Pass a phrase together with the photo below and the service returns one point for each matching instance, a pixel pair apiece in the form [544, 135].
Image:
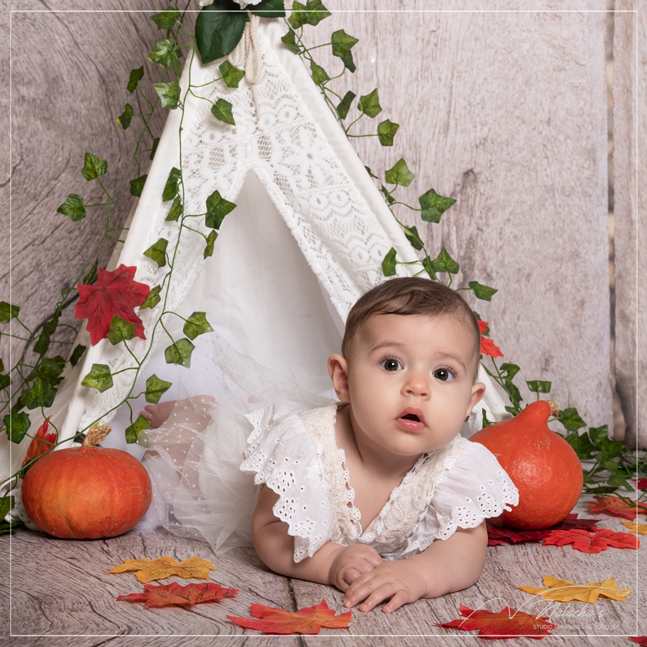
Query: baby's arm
[331, 564]
[446, 566]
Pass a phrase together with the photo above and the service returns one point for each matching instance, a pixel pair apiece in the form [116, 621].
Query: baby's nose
[417, 385]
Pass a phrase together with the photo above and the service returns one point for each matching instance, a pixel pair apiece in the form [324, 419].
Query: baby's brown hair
[410, 296]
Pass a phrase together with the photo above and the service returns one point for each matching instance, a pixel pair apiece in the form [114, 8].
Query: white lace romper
[293, 451]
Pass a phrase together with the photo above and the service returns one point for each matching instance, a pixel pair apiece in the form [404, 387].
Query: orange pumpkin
[543, 466]
[86, 492]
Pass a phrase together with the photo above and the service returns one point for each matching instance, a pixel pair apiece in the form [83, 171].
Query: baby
[379, 495]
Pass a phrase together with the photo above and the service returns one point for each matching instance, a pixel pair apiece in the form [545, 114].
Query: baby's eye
[391, 364]
[444, 374]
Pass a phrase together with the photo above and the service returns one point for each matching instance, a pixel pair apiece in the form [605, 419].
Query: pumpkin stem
[96, 434]
[554, 409]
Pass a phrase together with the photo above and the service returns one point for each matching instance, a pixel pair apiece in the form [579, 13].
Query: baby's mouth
[411, 419]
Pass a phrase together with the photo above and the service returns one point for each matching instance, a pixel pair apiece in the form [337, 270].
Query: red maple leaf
[641, 484]
[41, 442]
[616, 506]
[177, 595]
[115, 294]
[308, 620]
[596, 543]
[497, 536]
[572, 521]
[508, 623]
[641, 640]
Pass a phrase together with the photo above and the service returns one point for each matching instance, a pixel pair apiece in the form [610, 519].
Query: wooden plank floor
[56, 593]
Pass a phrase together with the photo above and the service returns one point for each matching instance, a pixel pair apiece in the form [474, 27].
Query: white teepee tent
[307, 238]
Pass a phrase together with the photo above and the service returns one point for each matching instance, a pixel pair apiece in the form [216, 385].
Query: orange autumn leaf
[640, 528]
[508, 623]
[565, 591]
[41, 442]
[616, 506]
[591, 543]
[308, 620]
[148, 570]
[177, 595]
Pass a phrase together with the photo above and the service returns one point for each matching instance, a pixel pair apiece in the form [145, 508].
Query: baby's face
[410, 381]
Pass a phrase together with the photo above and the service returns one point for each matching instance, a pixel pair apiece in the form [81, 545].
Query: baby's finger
[396, 602]
[348, 577]
[380, 594]
[361, 588]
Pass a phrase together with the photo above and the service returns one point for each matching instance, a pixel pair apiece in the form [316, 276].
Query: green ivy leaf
[482, 291]
[222, 111]
[156, 142]
[349, 63]
[8, 312]
[73, 207]
[342, 43]
[50, 369]
[290, 41]
[6, 504]
[93, 167]
[171, 186]
[77, 354]
[484, 420]
[179, 353]
[211, 239]
[513, 393]
[344, 107]
[176, 210]
[298, 16]
[41, 394]
[137, 185]
[571, 420]
[582, 445]
[508, 369]
[413, 237]
[368, 170]
[152, 299]
[598, 434]
[17, 425]
[217, 209]
[316, 12]
[89, 277]
[42, 343]
[120, 330]
[196, 324]
[135, 77]
[157, 252]
[169, 94]
[164, 54]
[387, 195]
[125, 117]
[1, 365]
[231, 75]
[426, 263]
[369, 104]
[319, 75]
[445, 263]
[98, 378]
[269, 9]
[386, 132]
[399, 174]
[155, 389]
[132, 431]
[389, 263]
[166, 19]
[5, 381]
[434, 205]
[218, 29]
[539, 386]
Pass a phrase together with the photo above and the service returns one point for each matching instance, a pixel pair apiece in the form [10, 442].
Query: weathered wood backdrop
[503, 110]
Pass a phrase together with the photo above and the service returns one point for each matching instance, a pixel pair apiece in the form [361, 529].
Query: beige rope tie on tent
[248, 52]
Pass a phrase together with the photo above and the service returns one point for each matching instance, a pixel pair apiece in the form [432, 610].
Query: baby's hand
[350, 562]
[157, 414]
[401, 581]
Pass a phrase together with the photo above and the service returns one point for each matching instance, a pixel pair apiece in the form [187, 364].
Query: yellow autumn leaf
[640, 528]
[149, 570]
[565, 591]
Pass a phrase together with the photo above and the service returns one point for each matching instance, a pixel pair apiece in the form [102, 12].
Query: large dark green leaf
[17, 425]
[342, 43]
[445, 263]
[93, 167]
[570, 418]
[41, 394]
[434, 205]
[217, 209]
[218, 29]
[269, 9]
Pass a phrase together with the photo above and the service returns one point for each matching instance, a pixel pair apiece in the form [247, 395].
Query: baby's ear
[478, 390]
[338, 371]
